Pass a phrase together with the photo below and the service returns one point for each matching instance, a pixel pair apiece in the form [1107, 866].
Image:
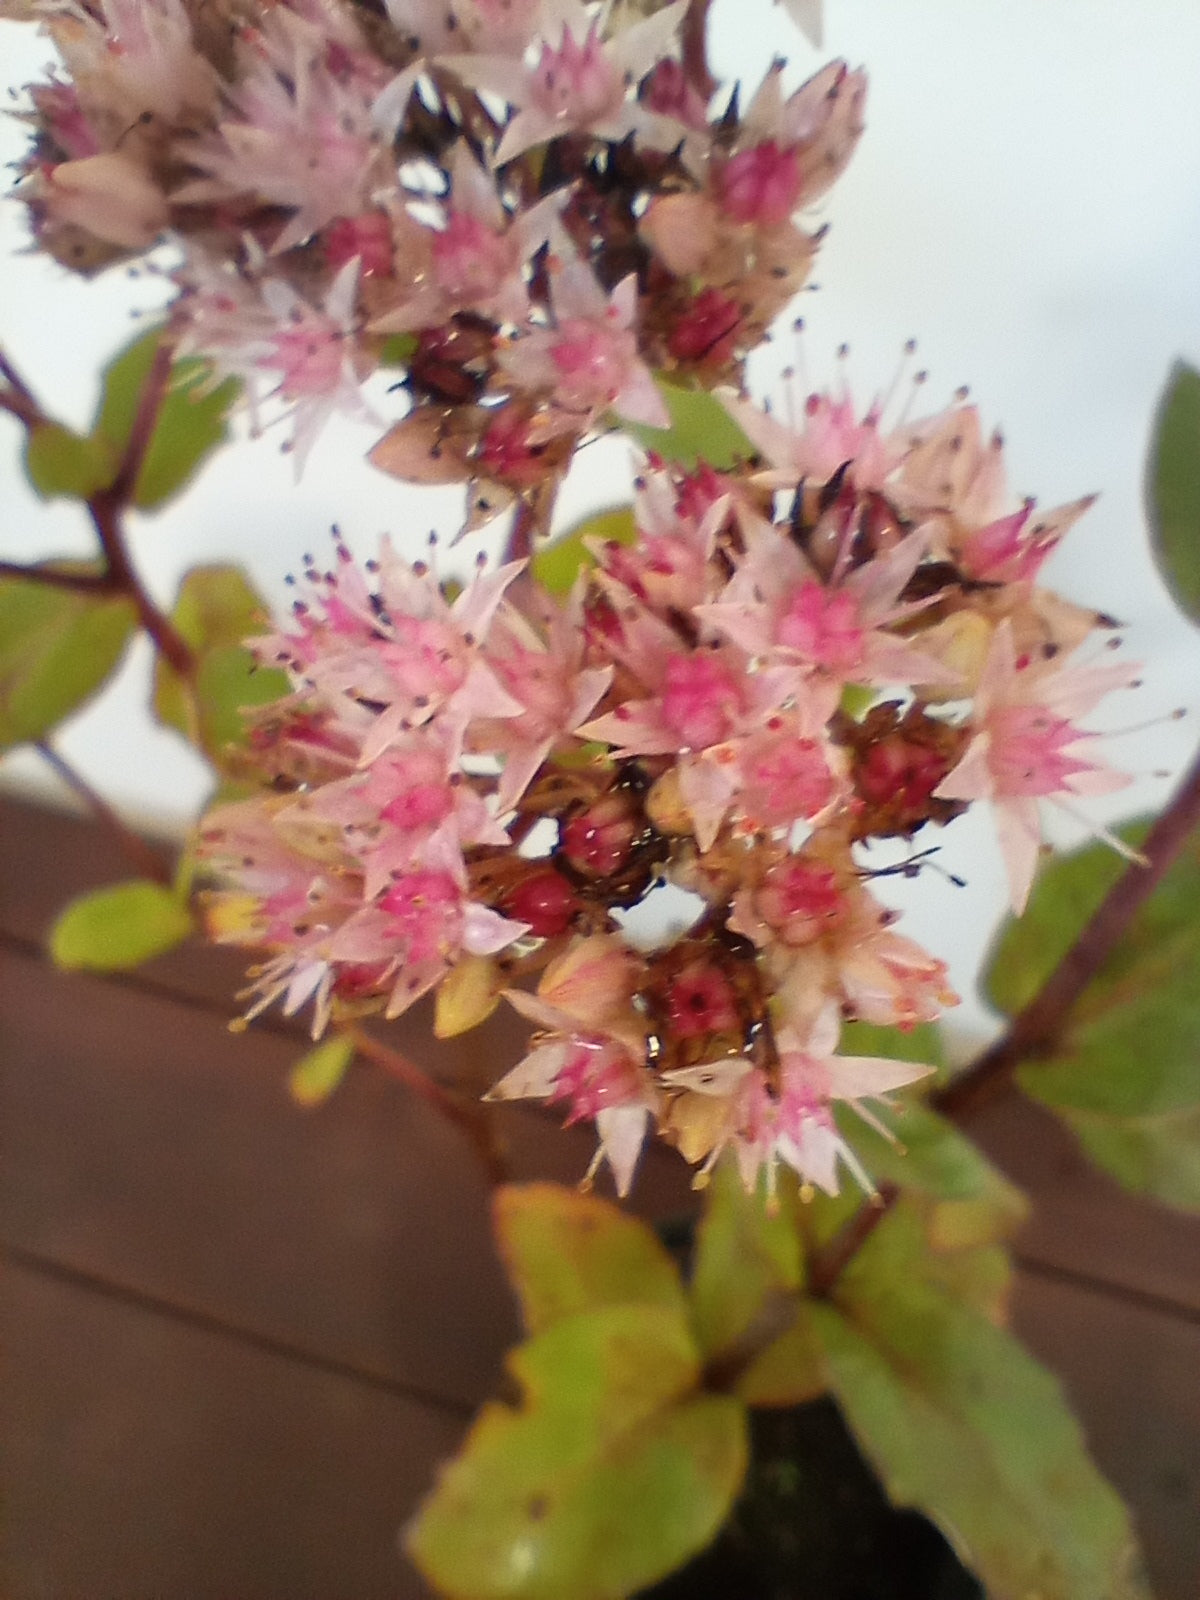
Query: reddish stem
[1037, 1028]
[59, 577]
[468, 1117]
[826, 1265]
[140, 855]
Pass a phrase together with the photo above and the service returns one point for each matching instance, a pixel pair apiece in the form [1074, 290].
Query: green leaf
[1173, 488]
[611, 1474]
[960, 1422]
[215, 610]
[191, 421]
[318, 1073]
[557, 565]
[61, 462]
[398, 349]
[119, 926]
[1125, 1073]
[567, 1252]
[701, 430]
[1065, 896]
[57, 647]
[921, 1042]
[966, 1201]
[745, 1288]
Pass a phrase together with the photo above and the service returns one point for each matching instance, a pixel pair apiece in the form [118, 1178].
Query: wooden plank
[147, 1146]
[143, 1458]
[1084, 1222]
[1131, 1374]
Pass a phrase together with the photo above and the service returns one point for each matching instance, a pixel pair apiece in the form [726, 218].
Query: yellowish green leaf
[960, 1422]
[57, 648]
[567, 1252]
[320, 1070]
[557, 565]
[191, 421]
[119, 926]
[612, 1472]
[701, 430]
[59, 461]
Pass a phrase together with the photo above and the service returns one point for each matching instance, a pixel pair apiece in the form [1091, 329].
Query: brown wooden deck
[237, 1336]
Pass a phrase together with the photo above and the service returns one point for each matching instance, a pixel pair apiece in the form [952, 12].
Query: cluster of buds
[476, 788]
[516, 208]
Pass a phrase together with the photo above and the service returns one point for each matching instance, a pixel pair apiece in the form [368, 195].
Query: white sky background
[1025, 203]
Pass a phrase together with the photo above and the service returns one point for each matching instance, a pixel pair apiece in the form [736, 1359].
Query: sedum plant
[623, 780]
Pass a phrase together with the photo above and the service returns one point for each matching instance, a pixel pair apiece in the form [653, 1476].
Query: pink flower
[787, 1118]
[1027, 747]
[300, 137]
[777, 609]
[589, 361]
[579, 83]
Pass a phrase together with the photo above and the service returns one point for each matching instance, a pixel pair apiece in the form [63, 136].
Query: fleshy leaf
[557, 565]
[317, 1073]
[216, 609]
[1125, 1074]
[960, 1422]
[59, 461]
[745, 1288]
[57, 647]
[1173, 488]
[567, 1252]
[611, 1474]
[701, 430]
[191, 422]
[119, 926]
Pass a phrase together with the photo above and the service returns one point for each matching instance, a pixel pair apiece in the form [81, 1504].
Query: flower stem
[1037, 1028]
[826, 1265]
[137, 852]
[468, 1117]
[59, 577]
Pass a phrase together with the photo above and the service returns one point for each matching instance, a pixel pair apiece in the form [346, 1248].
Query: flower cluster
[530, 211]
[474, 789]
[516, 208]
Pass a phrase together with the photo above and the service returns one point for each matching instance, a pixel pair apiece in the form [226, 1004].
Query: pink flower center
[701, 1001]
[784, 779]
[595, 1077]
[701, 700]
[800, 899]
[822, 625]
[309, 358]
[761, 185]
[369, 237]
[420, 807]
[470, 259]
[1028, 748]
[668, 92]
[593, 361]
[426, 912]
[576, 83]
